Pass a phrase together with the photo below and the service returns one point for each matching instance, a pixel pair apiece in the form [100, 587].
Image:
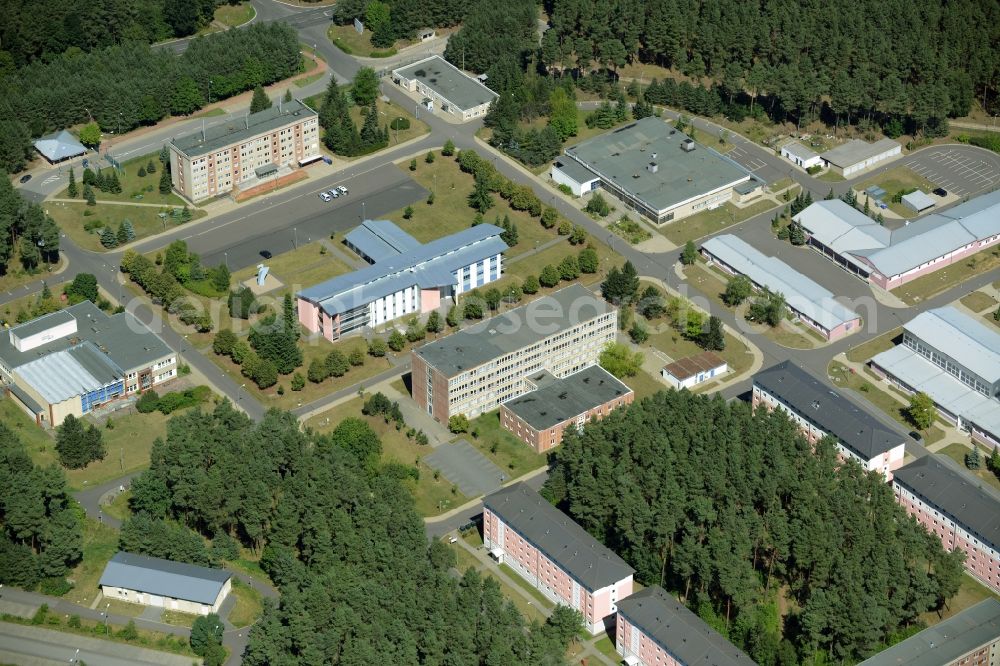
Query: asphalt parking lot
[961, 171]
[467, 468]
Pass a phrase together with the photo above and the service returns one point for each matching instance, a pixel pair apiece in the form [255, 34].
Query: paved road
[35, 646]
[90, 499]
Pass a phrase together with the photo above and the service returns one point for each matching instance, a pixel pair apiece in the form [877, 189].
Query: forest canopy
[337, 531]
[734, 513]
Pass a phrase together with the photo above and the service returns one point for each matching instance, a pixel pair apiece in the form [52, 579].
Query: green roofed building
[656, 169]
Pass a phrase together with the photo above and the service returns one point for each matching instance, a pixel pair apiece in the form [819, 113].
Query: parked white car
[342, 190]
[334, 193]
[324, 196]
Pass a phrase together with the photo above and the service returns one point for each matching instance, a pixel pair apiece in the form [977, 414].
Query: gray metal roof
[918, 200]
[685, 368]
[126, 341]
[576, 171]
[856, 150]
[552, 532]
[960, 496]
[681, 633]
[40, 324]
[949, 393]
[59, 146]
[70, 372]
[515, 329]
[852, 425]
[381, 240]
[947, 641]
[153, 575]
[448, 81]
[429, 265]
[622, 156]
[565, 399]
[966, 339]
[848, 232]
[802, 294]
[26, 399]
[238, 129]
[796, 149]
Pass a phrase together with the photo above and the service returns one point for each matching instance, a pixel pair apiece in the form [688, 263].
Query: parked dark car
[266, 254]
[25, 178]
[916, 436]
[941, 192]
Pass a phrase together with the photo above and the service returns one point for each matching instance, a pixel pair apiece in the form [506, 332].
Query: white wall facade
[63, 330]
[167, 603]
[804, 163]
[559, 177]
[694, 380]
[871, 161]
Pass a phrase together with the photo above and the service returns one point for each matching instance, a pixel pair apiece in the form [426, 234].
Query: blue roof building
[404, 278]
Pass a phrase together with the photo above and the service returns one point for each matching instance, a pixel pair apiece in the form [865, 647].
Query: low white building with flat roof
[856, 155]
[152, 581]
[798, 154]
[457, 93]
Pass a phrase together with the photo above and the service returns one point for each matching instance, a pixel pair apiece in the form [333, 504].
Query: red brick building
[554, 554]
[969, 638]
[964, 514]
[539, 418]
[654, 629]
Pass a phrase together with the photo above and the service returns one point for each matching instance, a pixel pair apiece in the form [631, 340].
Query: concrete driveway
[467, 468]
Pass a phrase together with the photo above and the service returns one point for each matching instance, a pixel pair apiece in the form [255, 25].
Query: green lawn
[644, 384]
[830, 176]
[145, 189]
[234, 15]
[676, 346]
[607, 648]
[863, 352]
[145, 220]
[450, 211]
[956, 451]
[16, 275]
[211, 113]
[633, 232]
[969, 594]
[465, 560]
[119, 506]
[347, 39]
[387, 112]
[27, 304]
[309, 79]
[431, 495]
[867, 386]
[128, 444]
[893, 181]
[306, 266]
[934, 283]
[249, 605]
[977, 301]
[523, 584]
[712, 221]
[510, 454]
[100, 543]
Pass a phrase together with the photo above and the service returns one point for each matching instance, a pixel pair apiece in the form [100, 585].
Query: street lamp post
[295, 240]
[209, 91]
[225, 256]
[239, 393]
[363, 211]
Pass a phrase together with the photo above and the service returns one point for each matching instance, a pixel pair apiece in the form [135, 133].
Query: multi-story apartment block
[820, 411]
[969, 638]
[77, 359]
[955, 359]
[404, 278]
[475, 370]
[217, 160]
[654, 629]
[540, 417]
[554, 554]
[964, 514]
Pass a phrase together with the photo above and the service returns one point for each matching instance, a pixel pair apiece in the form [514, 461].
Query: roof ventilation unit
[652, 167]
[688, 146]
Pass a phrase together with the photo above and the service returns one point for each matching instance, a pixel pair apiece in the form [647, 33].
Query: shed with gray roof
[670, 626]
[856, 155]
[59, 146]
[153, 581]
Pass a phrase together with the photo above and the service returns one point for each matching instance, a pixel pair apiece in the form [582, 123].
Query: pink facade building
[654, 629]
[969, 638]
[890, 258]
[821, 412]
[540, 417]
[554, 554]
[405, 278]
[814, 305]
[957, 509]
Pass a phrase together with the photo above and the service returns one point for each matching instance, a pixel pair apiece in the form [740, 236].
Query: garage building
[856, 155]
[152, 581]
